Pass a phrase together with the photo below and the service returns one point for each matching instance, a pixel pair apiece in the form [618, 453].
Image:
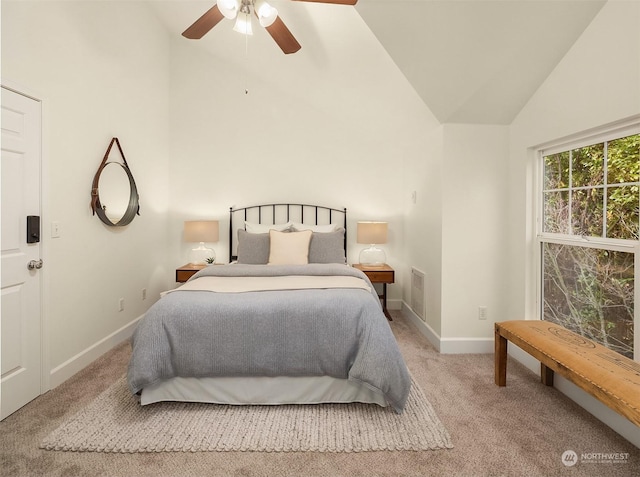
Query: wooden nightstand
[383, 274]
[186, 271]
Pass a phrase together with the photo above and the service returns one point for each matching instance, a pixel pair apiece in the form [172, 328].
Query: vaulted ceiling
[477, 61]
[474, 61]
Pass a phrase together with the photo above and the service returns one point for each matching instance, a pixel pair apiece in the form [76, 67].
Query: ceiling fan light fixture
[229, 8]
[241, 11]
[243, 24]
[265, 12]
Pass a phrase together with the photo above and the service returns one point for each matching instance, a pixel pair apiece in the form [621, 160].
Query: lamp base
[372, 257]
[200, 254]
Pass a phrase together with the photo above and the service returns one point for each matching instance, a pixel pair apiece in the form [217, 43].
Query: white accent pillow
[289, 248]
[254, 228]
[315, 228]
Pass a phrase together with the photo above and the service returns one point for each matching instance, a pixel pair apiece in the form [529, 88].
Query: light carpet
[115, 422]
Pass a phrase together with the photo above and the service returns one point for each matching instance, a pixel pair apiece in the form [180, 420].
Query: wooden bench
[608, 376]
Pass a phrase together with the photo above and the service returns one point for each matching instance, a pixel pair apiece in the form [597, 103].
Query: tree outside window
[590, 231]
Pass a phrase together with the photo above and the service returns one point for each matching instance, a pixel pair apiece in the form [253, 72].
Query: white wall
[423, 222]
[456, 233]
[332, 125]
[474, 223]
[101, 72]
[473, 238]
[596, 84]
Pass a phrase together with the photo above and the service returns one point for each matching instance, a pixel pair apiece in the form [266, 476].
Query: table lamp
[372, 233]
[201, 231]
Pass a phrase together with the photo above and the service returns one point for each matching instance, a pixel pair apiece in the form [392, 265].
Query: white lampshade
[265, 12]
[243, 24]
[372, 233]
[201, 231]
[229, 8]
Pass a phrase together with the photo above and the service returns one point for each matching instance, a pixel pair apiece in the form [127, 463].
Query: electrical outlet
[144, 293]
[121, 304]
[482, 313]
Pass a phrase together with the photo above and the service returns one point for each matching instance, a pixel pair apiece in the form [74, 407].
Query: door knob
[34, 264]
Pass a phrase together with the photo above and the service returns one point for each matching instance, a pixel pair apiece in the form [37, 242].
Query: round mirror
[114, 191]
[114, 195]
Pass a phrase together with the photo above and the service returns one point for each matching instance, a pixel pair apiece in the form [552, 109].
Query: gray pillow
[327, 247]
[253, 249]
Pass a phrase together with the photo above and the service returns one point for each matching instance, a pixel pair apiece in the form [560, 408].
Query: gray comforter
[317, 332]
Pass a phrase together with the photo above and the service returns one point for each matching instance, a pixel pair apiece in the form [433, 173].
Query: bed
[287, 322]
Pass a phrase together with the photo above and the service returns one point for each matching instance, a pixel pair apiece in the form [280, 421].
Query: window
[588, 234]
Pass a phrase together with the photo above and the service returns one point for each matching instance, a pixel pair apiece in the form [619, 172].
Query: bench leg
[546, 375]
[500, 358]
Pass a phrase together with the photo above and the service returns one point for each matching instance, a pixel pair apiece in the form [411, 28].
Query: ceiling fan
[240, 10]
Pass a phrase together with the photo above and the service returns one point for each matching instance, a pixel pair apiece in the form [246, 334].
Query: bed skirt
[261, 391]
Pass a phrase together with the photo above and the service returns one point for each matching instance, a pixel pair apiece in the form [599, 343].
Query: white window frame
[606, 133]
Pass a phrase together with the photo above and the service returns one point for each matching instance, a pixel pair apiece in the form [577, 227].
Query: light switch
[55, 229]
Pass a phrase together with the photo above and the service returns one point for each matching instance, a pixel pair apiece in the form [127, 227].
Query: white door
[21, 315]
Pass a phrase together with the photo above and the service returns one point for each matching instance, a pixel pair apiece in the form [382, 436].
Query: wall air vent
[417, 293]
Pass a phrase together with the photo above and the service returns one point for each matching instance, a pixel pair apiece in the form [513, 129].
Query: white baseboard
[466, 345]
[461, 345]
[80, 361]
[425, 329]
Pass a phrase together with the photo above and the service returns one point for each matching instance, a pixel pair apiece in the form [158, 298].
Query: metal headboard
[282, 213]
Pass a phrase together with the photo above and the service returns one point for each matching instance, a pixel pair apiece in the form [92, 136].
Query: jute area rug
[115, 422]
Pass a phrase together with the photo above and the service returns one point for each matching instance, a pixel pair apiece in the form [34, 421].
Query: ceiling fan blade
[283, 37]
[203, 24]
[338, 2]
